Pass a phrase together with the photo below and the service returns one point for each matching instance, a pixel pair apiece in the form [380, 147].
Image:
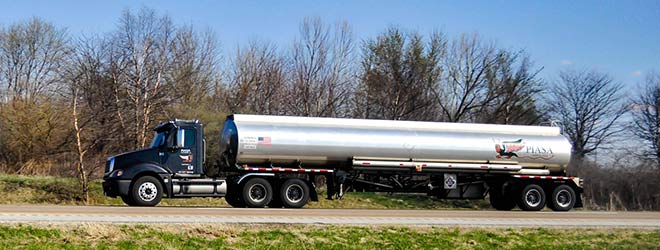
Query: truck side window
[189, 137]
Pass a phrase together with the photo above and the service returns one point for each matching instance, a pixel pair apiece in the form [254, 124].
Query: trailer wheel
[563, 198]
[146, 191]
[294, 193]
[532, 198]
[501, 202]
[257, 193]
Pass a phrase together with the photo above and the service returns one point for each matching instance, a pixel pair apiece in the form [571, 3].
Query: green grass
[18, 189]
[109, 236]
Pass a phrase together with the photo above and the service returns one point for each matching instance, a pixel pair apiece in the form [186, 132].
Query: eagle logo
[509, 149]
[186, 158]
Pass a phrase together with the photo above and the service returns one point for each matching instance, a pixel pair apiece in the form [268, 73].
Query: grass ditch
[19, 189]
[112, 236]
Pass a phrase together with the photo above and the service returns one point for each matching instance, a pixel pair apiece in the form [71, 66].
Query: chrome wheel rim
[563, 198]
[257, 192]
[147, 191]
[533, 198]
[294, 193]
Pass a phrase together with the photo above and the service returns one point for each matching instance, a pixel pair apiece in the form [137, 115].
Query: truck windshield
[159, 139]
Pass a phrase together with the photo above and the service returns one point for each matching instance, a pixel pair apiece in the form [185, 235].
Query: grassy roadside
[110, 236]
[20, 189]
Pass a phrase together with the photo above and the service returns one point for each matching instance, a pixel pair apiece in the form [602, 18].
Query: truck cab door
[182, 155]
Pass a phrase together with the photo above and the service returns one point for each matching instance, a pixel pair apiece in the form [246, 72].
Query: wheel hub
[533, 198]
[294, 193]
[563, 198]
[257, 193]
[147, 191]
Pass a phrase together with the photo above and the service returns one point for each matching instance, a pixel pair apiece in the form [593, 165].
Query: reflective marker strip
[542, 177]
[299, 170]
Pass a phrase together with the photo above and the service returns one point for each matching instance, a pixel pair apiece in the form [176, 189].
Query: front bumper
[116, 187]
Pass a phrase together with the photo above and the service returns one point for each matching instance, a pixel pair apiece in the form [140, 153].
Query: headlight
[111, 165]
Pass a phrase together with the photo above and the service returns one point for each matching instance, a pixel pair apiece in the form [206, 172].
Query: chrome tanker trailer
[276, 161]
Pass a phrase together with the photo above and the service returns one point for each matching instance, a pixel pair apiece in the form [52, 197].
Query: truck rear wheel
[294, 193]
[532, 198]
[257, 193]
[146, 191]
[233, 198]
[562, 199]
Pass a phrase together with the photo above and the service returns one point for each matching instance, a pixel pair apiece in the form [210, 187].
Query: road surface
[464, 218]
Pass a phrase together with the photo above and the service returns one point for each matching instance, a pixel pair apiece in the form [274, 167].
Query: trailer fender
[245, 176]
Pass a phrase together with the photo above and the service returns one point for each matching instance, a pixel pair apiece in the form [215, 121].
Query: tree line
[67, 101]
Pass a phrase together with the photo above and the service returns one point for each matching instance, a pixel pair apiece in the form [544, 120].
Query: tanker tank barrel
[349, 143]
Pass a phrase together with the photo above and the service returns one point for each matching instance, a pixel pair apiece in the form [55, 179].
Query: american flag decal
[264, 140]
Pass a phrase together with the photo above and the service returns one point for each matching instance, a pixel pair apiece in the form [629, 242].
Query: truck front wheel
[532, 198]
[128, 200]
[294, 193]
[146, 191]
[257, 193]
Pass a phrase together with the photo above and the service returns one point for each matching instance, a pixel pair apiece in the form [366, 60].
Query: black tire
[128, 200]
[257, 193]
[234, 199]
[146, 191]
[501, 202]
[275, 202]
[532, 198]
[563, 198]
[294, 193]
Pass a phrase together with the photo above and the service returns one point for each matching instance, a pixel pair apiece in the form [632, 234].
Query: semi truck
[277, 161]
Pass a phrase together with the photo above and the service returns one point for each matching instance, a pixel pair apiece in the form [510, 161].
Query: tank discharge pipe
[508, 168]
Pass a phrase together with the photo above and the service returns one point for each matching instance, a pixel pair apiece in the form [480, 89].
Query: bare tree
[320, 80]
[257, 80]
[399, 72]
[80, 166]
[93, 125]
[142, 57]
[31, 54]
[514, 87]
[465, 88]
[587, 105]
[194, 64]
[646, 117]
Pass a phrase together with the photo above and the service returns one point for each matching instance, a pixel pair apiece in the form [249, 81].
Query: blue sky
[618, 37]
